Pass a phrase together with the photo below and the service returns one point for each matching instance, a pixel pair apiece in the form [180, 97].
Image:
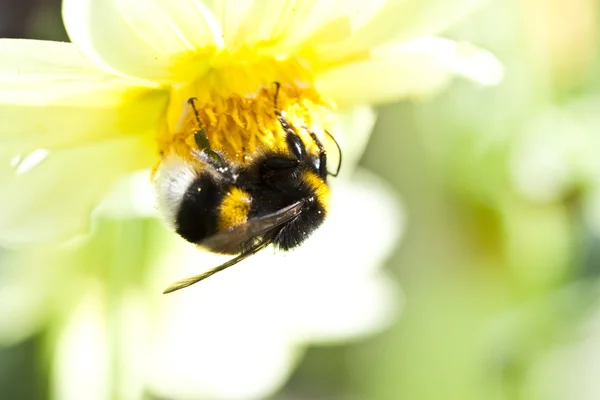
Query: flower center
[234, 101]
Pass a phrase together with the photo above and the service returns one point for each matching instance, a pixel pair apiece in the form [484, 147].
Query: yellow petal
[53, 70]
[399, 20]
[332, 22]
[412, 69]
[264, 21]
[231, 14]
[51, 96]
[68, 131]
[288, 24]
[141, 38]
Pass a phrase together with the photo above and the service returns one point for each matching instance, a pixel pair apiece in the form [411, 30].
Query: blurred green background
[499, 262]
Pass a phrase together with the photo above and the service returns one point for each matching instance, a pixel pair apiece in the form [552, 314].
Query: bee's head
[316, 194]
[284, 180]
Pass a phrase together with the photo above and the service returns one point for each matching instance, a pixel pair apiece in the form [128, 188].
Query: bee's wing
[238, 235]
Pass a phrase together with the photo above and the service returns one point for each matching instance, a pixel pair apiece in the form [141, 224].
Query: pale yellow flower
[75, 117]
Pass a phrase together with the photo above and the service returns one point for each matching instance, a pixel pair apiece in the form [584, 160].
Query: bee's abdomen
[197, 217]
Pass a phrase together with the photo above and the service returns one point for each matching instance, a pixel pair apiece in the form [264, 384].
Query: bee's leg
[293, 140]
[295, 143]
[201, 139]
[322, 154]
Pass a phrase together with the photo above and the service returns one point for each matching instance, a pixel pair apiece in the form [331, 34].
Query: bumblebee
[279, 198]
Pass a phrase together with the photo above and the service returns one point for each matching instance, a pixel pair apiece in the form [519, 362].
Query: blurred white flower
[238, 334]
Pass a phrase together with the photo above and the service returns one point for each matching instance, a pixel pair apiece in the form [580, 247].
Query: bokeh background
[499, 261]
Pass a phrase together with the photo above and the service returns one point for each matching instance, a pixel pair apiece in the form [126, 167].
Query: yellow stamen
[234, 100]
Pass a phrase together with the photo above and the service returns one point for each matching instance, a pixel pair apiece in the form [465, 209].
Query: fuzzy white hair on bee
[172, 180]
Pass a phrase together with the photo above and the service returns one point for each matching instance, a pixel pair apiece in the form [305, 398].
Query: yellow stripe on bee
[234, 209]
[319, 187]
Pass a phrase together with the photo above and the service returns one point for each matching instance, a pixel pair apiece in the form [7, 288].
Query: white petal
[141, 38]
[399, 20]
[322, 292]
[353, 127]
[364, 300]
[231, 14]
[381, 215]
[68, 130]
[264, 21]
[132, 195]
[412, 69]
[81, 363]
[356, 309]
[53, 201]
[288, 24]
[51, 96]
[39, 72]
[349, 297]
[130, 326]
[44, 59]
[204, 354]
[200, 353]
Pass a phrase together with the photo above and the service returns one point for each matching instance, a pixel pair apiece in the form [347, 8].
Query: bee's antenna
[276, 95]
[192, 102]
[183, 283]
[201, 137]
[339, 152]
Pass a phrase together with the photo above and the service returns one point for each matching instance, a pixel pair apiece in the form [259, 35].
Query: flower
[76, 117]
